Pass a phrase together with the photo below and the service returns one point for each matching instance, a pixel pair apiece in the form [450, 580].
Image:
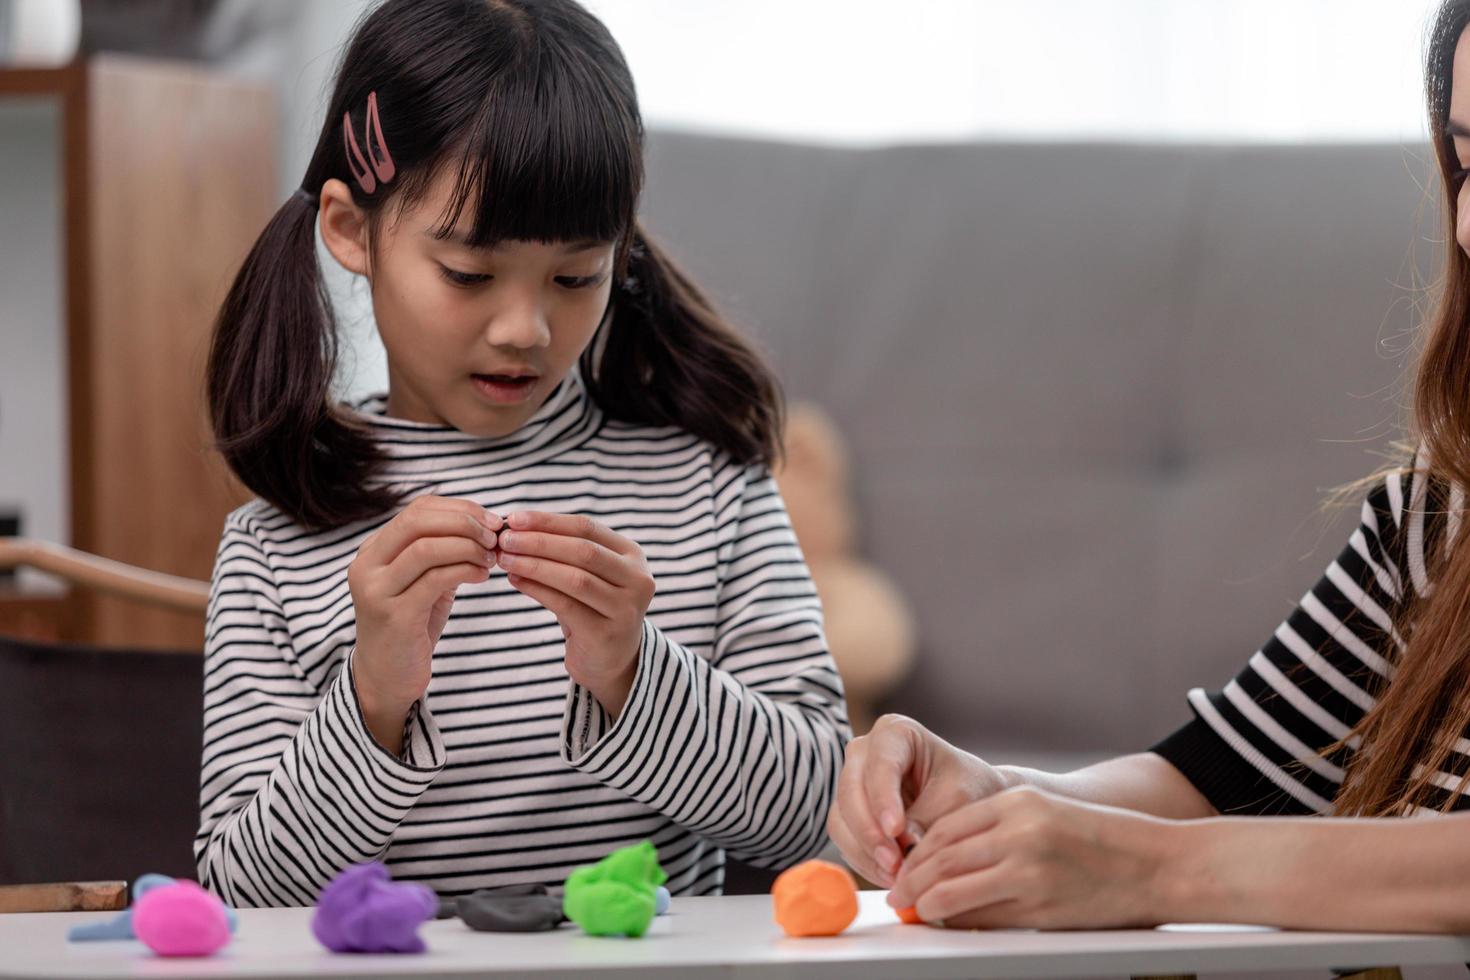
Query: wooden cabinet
[168, 174]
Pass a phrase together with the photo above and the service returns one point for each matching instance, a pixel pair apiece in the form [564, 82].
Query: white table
[720, 937]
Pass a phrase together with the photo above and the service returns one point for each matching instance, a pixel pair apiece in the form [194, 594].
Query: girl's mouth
[503, 389]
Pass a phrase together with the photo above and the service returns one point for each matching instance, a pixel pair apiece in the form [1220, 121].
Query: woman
[1211, 824]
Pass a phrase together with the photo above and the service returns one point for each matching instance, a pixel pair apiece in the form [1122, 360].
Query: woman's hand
[1026, 858]
[597, 584]
[897, 782]
[403, 582]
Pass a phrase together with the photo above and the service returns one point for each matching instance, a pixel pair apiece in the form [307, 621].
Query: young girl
[1357, 706]
[542, 599]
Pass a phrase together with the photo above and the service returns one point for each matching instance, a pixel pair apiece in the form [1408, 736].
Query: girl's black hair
[532, 104]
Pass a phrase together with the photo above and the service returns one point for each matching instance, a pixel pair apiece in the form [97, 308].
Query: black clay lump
[517, 908]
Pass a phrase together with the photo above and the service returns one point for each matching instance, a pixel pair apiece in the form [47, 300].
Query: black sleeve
[1274, 739]
[1232, 785]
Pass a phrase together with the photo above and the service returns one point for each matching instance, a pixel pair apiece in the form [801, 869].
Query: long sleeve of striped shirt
[1276, 738]
[762, 737]
[297, 788]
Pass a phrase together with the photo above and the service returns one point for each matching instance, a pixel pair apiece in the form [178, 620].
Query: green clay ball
[610, 908]
[616, 896]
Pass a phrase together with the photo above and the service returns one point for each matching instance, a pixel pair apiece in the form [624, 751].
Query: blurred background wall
[850, 72]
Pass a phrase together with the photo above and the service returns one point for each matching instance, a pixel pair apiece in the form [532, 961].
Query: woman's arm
[1389, 874]
[1143, 782]
[1028, 858]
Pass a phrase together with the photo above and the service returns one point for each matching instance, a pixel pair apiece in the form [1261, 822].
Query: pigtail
[670, 359]
[271, 366]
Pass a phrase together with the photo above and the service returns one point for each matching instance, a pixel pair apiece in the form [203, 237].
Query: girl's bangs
[547, 162]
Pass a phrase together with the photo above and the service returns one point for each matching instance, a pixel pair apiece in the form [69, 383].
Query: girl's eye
[579, 282]
[463, 278]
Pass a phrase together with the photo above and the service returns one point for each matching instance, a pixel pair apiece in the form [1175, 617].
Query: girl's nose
[521, 325]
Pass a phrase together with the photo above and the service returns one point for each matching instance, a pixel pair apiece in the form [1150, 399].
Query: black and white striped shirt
[731, 738]
[1257, 745]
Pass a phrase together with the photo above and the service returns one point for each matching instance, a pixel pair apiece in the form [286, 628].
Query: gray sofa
[1094, 393]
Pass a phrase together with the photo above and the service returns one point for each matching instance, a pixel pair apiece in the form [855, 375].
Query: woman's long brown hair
[1411, 731]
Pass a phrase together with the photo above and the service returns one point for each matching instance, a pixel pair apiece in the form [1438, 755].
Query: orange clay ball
[910, 916]
[815, 898]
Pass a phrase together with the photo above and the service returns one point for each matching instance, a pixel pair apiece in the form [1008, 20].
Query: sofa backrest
[1094, 394]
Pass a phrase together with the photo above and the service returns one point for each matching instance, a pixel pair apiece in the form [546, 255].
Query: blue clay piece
[121, 925]
[661, 901]
[146, 883]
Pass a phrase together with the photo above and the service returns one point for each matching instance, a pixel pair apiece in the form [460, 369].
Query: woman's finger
[892, 755]
[911, 836]
[965, 856]
[852, 804]
[984, 899]
[855, 850]
[962, 824]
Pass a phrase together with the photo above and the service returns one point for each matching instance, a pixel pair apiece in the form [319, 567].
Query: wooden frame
[73, 896]
[104, 575]
[168, 176]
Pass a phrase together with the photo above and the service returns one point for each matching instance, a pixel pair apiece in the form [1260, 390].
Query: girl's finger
[436, 517]
[566, 609]
[577, 583]
[572, 526]
[426, 553]
[962, 857]
[584, 553]
[433, 584]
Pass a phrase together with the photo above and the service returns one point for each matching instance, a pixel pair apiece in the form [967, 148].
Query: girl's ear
[344, 227]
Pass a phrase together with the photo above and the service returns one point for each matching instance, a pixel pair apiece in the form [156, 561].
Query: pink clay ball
[181, 919]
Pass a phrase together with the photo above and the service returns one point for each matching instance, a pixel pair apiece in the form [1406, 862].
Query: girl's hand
[403, 581]
[598, 586]
[1026, 858]
[897, 781]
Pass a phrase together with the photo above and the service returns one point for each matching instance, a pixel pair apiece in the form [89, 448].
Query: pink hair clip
[382, 168]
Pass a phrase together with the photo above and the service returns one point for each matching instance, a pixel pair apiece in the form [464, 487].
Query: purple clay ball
[363, 910]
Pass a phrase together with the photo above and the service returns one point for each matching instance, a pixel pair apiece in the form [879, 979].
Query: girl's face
[1459, 130]
[477, 339]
